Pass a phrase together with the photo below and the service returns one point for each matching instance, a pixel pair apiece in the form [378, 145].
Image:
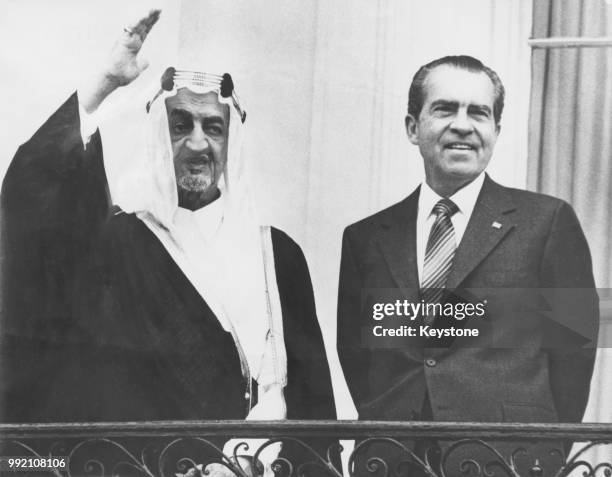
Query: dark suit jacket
[527, 366]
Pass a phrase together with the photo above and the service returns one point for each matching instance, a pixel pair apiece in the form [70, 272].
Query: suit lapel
[397, 242]
[488, 225]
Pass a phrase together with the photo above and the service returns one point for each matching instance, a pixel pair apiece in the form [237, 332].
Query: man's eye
[214, 130]
[180, 128]
[481, 113]
[443, 108]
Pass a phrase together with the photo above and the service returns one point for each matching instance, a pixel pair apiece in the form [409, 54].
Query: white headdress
[224, 262]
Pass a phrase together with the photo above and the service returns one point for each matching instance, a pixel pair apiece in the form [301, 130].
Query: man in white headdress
[184, 308]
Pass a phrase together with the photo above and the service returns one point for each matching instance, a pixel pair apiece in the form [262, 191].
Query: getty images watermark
[428, 313]
[563, 319]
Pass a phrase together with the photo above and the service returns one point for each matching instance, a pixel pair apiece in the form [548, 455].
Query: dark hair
[416, 94]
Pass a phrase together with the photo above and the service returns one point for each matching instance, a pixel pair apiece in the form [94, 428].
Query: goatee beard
[191, 184]
[195, 192]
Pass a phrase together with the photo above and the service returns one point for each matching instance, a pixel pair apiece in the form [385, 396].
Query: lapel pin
[496, 225]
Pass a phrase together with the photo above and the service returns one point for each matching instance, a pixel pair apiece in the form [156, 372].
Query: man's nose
[461, 123]
[197, 140]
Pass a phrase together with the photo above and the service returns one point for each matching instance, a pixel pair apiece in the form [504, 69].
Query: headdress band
[172, 77]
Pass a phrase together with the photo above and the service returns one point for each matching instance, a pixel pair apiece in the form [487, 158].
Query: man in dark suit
[520, 256]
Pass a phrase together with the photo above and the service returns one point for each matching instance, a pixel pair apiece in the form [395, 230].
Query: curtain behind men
[570, 146]
[570, 151]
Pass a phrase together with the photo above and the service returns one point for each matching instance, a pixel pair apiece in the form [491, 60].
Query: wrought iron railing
[185, 448]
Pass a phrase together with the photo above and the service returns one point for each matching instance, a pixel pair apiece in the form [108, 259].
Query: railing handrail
[341, 429]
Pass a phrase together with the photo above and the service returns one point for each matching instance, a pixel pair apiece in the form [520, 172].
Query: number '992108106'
[17, 463]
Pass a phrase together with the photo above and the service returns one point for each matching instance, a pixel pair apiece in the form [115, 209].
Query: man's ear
[411, 129]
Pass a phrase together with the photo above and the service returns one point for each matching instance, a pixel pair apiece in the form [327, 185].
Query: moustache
[200, 159]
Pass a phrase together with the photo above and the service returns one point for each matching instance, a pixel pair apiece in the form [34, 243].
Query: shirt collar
[465, 198]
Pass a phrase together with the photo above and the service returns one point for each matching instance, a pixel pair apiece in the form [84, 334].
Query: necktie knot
[445, 207]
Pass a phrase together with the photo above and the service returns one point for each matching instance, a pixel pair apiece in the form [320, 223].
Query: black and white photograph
[306, 238]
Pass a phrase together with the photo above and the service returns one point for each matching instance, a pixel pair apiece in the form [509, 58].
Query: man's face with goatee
[199, 127]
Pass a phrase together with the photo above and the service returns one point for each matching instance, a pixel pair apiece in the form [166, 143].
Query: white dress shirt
[464, 198]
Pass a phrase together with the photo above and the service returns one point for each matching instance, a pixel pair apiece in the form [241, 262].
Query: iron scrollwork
[479, 450]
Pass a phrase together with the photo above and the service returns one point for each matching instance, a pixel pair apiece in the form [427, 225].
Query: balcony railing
[185, 448]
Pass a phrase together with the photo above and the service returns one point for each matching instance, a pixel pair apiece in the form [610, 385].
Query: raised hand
[123, 65]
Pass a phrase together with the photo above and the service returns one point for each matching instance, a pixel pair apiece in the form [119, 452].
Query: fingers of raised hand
[143, 26]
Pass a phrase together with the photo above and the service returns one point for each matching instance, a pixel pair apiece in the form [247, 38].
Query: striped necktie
[439, 252]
